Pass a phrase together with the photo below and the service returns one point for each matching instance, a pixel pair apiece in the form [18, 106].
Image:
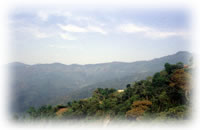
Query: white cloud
[92, 24]
[43, 15]
[74, 28]
[162, 34]
[87, 20]
[67, 36]
[34, 31]
[148, 31]
[132, 28]
[63, 13]
[58, 46]
[96, 29]
[40, 34]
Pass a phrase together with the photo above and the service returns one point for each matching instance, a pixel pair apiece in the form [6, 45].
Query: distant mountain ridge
[114, 62]
[39, 84]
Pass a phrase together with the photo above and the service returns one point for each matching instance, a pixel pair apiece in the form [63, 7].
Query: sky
[96, 35]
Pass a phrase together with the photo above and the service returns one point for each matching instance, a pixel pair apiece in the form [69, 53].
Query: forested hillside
[40, 84]
[165, 95]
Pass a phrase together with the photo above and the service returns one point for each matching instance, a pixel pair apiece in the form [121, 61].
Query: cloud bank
[148, 31]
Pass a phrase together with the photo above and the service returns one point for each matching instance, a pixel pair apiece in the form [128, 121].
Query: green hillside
[40, 84]
[165, 95]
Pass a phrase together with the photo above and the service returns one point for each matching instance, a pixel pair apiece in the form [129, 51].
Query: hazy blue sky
[87, 36]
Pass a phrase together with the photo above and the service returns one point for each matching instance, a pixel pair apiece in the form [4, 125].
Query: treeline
[165, 95]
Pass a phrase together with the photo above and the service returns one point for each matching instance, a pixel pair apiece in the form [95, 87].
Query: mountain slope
[119, 83]
[36, 85]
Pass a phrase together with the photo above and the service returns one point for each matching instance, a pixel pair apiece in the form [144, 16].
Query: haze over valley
[40, 84]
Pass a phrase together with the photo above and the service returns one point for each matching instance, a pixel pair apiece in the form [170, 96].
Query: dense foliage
[166, 95]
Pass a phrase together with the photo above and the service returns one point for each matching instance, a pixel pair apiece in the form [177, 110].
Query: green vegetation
[166, 95]
[41, 84]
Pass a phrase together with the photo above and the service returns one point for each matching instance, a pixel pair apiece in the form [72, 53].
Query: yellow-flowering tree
[138, 109]
[181, 79]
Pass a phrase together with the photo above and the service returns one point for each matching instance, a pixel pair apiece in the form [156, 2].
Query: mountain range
[42, 84]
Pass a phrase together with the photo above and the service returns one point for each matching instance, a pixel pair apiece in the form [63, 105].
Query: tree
[138, 109]
[170, 68]
[32, 112]
[181, 79]
[128, 86]
[160, 80]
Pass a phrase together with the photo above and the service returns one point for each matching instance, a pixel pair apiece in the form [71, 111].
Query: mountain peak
[182, 52]
[17, 64]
